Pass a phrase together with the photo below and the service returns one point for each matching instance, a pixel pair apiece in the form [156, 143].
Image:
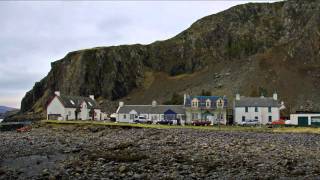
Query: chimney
[154, 103]
[57, 93]
[238, 96]
[121, 103]
[91, 97]
[275, 96]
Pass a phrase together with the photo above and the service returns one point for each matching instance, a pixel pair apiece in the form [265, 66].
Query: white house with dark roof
[62, 107]
[153, 112]
[257, 110]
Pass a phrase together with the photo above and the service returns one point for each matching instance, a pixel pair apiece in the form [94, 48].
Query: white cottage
[256, 110]
[62, 107]
[153, 112]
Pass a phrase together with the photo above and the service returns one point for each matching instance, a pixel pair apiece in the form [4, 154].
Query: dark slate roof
[148, 109]
[203, 99]
[67, 101]
[256, 101]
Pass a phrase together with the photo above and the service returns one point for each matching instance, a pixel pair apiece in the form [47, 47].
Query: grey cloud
[33, 34]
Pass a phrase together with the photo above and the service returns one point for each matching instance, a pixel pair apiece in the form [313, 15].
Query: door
[303, 121]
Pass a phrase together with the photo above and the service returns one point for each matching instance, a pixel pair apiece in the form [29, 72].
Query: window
[162, 116]
[72, 102]
[131, 116]
[255, 109]
[270, 118]
[208, 103]
[90, 103]
[124, 116]
[256, 118]
[194, 103]
[246, 109]
[69, 113]
[269, 109]
[243, 118]
[315, 119]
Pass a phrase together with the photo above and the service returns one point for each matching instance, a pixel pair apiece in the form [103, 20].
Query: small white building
[305, 118]
[153, 112]
[62, 107]
[256, 110]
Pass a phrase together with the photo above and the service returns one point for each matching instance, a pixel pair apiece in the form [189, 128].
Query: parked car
[201, 123]
[167, 122]
[142, 120]
[278, 122]
[251, 122]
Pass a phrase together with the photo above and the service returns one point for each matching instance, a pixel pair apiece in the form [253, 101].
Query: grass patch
[308, 130]
[266, 129]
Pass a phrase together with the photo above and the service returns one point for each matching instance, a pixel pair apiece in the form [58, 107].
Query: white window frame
[208, 103]
[195, 102]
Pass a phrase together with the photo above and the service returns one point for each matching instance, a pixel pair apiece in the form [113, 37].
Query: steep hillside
[251, 48]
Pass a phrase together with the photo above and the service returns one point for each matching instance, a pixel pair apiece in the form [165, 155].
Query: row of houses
[213, 109]
[260, 110]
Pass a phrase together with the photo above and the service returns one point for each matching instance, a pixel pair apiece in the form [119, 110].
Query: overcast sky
[33, 34]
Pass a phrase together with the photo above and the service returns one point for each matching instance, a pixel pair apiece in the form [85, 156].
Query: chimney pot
[57, 93]
[154, 103]
[121, 103]
[275, 96]
[237, 96]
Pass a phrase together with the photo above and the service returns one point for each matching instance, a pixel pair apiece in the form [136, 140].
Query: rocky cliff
[251, 48]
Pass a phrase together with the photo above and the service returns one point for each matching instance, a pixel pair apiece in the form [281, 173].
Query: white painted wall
[56, 107]
[294, 118]
[124, 118]
[98, 115]
[84, 114]
[197, 113]
[70, 113]
[262, 114]
[120, 117]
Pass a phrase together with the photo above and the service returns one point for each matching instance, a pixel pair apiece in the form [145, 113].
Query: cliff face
[249, 48]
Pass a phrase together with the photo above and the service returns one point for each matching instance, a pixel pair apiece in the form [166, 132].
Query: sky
[33, 33]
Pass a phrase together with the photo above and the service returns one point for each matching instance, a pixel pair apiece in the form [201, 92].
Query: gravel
[79, 152]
